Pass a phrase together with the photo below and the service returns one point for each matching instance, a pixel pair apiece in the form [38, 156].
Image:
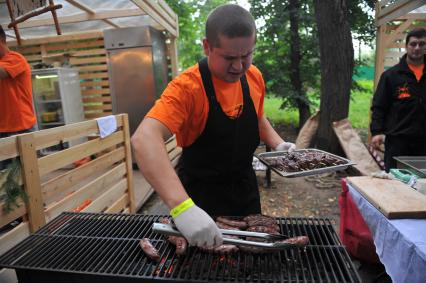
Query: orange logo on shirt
[403, 92]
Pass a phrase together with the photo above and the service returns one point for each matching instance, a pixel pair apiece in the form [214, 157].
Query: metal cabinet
[57, 97]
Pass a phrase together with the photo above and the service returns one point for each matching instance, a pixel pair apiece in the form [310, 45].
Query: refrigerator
[137, 70]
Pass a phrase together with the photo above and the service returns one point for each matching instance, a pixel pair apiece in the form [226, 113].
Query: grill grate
[87, 247]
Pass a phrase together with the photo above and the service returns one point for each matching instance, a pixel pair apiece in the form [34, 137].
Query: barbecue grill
[88, 247]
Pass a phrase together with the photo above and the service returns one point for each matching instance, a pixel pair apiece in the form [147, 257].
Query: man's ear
[206, 47]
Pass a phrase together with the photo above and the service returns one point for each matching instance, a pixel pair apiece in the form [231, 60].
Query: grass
[359, 113]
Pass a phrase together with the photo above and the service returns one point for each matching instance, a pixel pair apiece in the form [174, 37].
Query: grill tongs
[170, 230]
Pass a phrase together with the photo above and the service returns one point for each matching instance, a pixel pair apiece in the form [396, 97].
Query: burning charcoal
[149, 249]
[231, 222]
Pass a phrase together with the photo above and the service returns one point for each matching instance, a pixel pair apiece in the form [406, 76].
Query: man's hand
[285, 146]
[377, 140]
[198, 227]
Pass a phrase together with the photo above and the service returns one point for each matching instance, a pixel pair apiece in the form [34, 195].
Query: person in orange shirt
[16, 103]
[399, 104]
[215, 108]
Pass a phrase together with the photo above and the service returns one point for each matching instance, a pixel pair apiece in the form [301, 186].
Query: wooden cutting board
[391, 197]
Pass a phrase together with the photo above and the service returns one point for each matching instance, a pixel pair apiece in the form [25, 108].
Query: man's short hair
[2, 34]
[417, 32]
[231, 21]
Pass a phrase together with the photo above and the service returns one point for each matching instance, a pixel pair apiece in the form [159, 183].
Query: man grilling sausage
[215, 108]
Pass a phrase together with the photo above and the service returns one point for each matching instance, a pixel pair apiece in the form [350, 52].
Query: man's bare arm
[154, 163]
[267, 134]
[3, 74]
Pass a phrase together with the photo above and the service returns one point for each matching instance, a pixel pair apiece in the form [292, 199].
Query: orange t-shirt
[183, 107]
[417, 70]
[16, 103]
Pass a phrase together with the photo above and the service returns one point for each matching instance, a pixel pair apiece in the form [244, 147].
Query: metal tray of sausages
[266, 157]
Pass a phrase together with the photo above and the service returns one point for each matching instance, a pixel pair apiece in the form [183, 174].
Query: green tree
[287, 51]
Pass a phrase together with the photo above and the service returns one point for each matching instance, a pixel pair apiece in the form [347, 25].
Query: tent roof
[78, 16]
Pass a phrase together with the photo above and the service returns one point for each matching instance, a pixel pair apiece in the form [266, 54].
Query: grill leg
[268, 171]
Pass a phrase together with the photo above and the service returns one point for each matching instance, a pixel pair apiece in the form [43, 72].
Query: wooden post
[31, 178]
[12, 18]
[128, 160]
[173, 50]
[55, 18]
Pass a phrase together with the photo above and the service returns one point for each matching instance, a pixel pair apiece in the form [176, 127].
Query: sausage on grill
[180, 242]
[149, 249]
[300, 241]
[231, 222]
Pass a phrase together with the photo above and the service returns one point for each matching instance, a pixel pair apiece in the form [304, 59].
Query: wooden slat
[108, 198]
[73, 177]
[6, 218]
[55, 135]
[75, 45]
[83, 53]
[36, 57]
[97, 99]
[118, 205]
[60, 38]
[96, 115]
[24, 50]
[13, 237]
[85, 92]
[94, 83]
[397, 10]
[31, 177]
[88, 60]
[8, 148]
[93, 68]
[94, 75]
[175, 152]
[89, 191]
[171, 144]
[98, 107]
[58, 160]
[129, 166]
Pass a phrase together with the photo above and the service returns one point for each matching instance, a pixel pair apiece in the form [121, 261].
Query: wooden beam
[82, 17]
[396, 10]
[61, 38]
[90, 11]
[152, 10]
[33, 14]
[416, 16]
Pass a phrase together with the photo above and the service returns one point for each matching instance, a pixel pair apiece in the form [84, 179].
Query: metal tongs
[170, 230]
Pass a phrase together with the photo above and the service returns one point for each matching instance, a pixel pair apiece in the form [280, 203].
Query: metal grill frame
[87, 247]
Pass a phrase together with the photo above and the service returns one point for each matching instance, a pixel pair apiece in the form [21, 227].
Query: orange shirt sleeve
[183, 107]
[13, 65]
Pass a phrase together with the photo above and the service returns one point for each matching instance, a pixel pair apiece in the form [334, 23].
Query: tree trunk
[337, 63]
[295, 57]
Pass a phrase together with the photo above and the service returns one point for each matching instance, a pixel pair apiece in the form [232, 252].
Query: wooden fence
[88, 54]
[53, 183]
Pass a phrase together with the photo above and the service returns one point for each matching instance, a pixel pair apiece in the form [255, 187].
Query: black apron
[216, 170]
